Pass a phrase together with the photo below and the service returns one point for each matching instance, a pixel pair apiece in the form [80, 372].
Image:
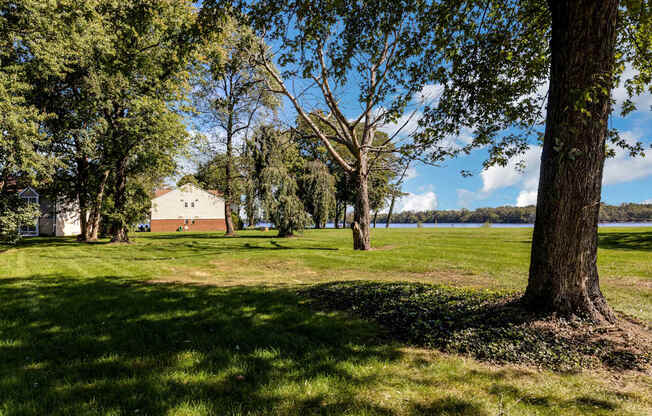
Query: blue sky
[429, 187]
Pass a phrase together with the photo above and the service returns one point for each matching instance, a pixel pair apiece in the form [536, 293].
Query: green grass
[198, 324]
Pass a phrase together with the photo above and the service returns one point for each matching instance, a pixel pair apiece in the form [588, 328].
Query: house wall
[68, 222]
[171, 206]
[169, 225]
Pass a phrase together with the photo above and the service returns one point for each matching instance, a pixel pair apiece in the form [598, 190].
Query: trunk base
[593, 308]
[360, 240]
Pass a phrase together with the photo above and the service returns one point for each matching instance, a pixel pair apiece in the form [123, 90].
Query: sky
[444, 188]
[625, 179]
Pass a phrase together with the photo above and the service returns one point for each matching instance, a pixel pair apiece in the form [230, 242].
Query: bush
[14, 211]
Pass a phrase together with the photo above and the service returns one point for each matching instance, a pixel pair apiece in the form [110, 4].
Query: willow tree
[276, 164]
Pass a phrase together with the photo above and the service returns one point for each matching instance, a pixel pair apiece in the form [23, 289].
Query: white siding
[173, 205]
[68, 220]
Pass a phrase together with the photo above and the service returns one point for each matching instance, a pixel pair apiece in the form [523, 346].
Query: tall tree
[231, 94]
[563, 269]
[142, 83]
[576, 45]
[368, 52]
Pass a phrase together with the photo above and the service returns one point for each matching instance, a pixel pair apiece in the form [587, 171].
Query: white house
[57, 219]
[188, 208]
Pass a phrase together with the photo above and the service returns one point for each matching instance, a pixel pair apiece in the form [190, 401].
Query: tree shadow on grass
[626, 241]
[109, 345]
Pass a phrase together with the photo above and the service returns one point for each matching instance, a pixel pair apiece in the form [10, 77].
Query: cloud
[429, 94]
[465, 198]
[623, 168]
[526, 198]
[417, 202]
[647, 201]
[411, 173]
[642, 102]
[497, 177]
[619, 169]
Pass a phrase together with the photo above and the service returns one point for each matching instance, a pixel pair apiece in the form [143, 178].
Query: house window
[186, 221]
[186, 204]
[193, 221]
[192, 205]
[30, 229]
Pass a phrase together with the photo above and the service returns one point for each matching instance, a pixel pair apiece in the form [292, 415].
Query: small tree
[14, 213]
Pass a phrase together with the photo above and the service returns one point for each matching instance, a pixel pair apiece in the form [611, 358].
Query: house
[188, 208]
[57, 218]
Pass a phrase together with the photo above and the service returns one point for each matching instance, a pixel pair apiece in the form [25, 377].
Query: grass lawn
[199, 324]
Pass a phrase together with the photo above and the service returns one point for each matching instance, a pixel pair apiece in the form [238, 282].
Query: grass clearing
[197, 324]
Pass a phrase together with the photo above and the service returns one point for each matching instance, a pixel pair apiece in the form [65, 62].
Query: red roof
[161, 192]
[214, 192]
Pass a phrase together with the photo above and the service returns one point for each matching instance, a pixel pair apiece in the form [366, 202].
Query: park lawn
[194, 324]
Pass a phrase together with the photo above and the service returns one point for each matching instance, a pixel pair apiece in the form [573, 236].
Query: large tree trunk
[563, 271]
[119, 232]
[93, 227]
[228, 186]
[82, 196]
[361, 218]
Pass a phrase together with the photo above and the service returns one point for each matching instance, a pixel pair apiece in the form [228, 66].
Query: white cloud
[619, 169]
[647, 201]
[526, 198]
[497, 177]
[417, 202]
[642, 102]
[465, 197]
[429, 94]
[411, 173]
[623, 168]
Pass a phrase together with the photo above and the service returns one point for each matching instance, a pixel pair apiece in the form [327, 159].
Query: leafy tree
[15, 212]
[276, 160]
[141, 81]
[230, 95]
[185, 179]
[578, 47]
[317, 189]
[368, 50]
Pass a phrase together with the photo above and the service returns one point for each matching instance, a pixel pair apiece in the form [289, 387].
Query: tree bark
[336, 220]
[95, 215]
[228, 186]
[361, 220]
[119, 232]
[563, 271]
[391, 211]
[375, 218]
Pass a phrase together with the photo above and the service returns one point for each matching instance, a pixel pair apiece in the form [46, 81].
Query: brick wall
[158, 226]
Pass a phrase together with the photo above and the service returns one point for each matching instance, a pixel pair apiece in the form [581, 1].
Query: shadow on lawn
[626, 241]
[114, 346]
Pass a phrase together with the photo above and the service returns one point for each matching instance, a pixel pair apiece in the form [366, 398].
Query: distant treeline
[515, 215]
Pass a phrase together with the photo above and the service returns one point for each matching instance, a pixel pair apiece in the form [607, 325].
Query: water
[478, 225]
